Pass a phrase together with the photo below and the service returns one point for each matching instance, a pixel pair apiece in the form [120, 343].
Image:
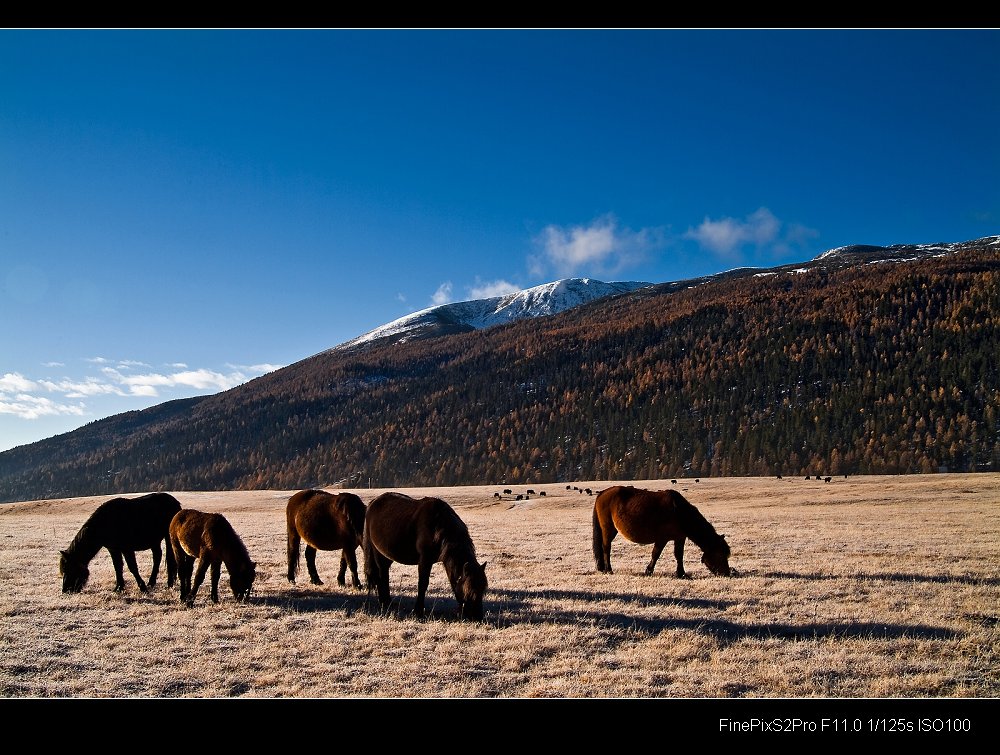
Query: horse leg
[679, 555]
[657, 550]
[351, 559]
[293, 552]
[185, 565]
[609, 535]
[134, 568]
[216, 573]
[116, 559]
[311, 565]
[342, 574]
[171, 563]
[157, 557]
[204, 560]
[423, 579]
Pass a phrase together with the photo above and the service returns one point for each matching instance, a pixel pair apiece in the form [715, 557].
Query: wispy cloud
[53, 364]
[601, 248]
[19, 394]
[443, 294]
[726, 238]
[401, 298]
[489, 289]
[14, 382]
[27, 406]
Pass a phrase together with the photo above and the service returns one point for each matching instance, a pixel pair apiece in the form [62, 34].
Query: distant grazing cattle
[507, 491]
[696, 479]
[496, 495]
[807, 477]
[531, 492]
[569, 487]
[779, 477]
[826, 479]
[673, 482]
[519, 497]
[588, 492]
[542, 493]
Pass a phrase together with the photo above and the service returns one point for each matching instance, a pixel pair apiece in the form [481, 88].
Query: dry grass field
[863, 587]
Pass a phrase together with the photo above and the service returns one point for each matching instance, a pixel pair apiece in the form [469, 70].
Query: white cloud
[260, 369]
[53, 364]
[601, 247]
[489, 289]
[26, 406]
[443, 294]
[77, 389]
[98, 360]
[177, 365]
[761, 229]
[13, 382]
[127, 363]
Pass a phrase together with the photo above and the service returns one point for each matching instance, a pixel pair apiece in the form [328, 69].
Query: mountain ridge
[833, 364]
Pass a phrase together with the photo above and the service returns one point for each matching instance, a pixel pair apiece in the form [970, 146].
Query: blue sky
[183, 210]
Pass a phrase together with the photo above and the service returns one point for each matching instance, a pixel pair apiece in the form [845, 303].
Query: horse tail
[371, 562]
[293, 547]
[356, 517]
[598, 541]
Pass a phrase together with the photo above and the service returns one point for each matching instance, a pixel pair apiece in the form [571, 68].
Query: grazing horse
[123, 526]
[422, 531]
[655, 516]
[326, 522]
[212, 540]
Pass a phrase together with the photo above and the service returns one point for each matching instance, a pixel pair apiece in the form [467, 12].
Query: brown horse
[325, 522]
[123, 526]
[655, 516]
[422, 531]
[212, 540]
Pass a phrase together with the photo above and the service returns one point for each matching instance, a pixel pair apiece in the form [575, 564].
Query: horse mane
[698, 529]
[453, 533]
[85, 544]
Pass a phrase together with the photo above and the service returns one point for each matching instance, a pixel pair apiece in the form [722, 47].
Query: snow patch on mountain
[539, 301]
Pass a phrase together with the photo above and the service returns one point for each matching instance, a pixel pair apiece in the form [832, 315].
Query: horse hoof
[316, 581]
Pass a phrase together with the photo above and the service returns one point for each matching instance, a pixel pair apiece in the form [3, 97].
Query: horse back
[402, 528]
[325, 520]
[199, 532]
[134, 523]
[642, 516]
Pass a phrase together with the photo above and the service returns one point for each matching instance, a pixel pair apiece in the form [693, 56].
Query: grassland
[860, 588]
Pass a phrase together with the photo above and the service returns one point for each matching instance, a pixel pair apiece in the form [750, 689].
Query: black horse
[123, 526]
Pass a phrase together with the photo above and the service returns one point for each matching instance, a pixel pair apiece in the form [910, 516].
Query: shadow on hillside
[887, 577]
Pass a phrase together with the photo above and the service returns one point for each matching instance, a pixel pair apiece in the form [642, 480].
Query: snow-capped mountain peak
[457, 317]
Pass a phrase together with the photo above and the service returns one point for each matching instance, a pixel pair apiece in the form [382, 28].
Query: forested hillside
[870, 367]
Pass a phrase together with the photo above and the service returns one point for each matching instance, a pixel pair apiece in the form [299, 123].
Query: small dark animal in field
[542, 493]
[326, 522]
[568, 487]
[779, 477]
[673, 482]
[807, 477]
[519, 497]
[496, 495]
[123, 526]
[588, 491]
[422, 531]
[696, 479]
[530, 492]
[210, 539]
[507, 491]
[655, 516]
[827, 479]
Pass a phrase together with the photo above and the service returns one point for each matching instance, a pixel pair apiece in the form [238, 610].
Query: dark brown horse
[655, 516]
[123, 526]
[326, 522]
[422, 531]
[211, 539]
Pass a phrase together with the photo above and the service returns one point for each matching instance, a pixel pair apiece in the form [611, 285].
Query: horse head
[74, 573]
[716, 559]
[241, 582]
[470, 588]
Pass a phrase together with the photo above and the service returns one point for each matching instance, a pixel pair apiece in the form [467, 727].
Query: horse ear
[483, 566]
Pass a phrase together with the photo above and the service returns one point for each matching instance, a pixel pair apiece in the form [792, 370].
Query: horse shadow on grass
[942, 579]
[514, 607]
[506, 608]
